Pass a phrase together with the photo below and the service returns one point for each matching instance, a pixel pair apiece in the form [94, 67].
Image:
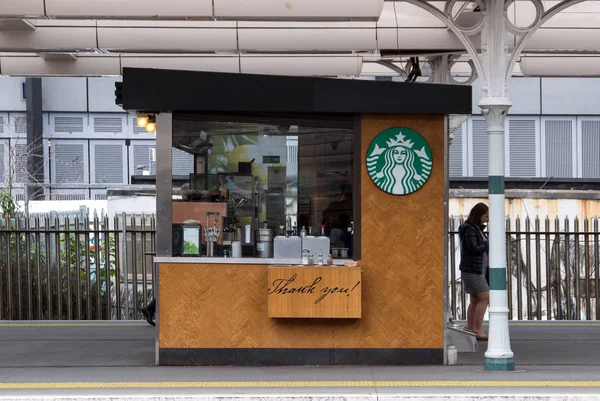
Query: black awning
[155, 90]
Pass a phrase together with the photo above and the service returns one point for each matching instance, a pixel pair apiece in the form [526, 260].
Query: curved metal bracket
[528, 33]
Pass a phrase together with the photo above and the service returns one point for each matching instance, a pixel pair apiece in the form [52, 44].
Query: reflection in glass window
[281, 177]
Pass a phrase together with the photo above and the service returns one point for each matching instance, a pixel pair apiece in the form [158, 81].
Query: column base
[499, 364]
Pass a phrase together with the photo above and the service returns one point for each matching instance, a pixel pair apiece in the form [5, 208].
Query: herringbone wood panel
[225, 306]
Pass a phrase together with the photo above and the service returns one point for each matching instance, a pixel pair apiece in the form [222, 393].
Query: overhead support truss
[485, 40]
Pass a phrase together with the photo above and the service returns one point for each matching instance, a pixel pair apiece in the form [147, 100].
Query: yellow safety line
[264, 384]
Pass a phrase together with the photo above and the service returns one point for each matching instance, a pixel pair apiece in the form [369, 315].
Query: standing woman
[473, 266]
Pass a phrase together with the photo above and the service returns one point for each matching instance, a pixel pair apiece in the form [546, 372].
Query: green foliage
[8, 207]
[53, 279]
[189, 248]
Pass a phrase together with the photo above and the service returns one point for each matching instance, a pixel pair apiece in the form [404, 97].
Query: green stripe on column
[498, 278]
[496, 184]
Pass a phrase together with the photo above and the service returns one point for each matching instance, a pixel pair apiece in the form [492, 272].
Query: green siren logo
[399, 161]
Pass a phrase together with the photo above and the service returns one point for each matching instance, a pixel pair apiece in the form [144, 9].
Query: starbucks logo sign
[399, 161]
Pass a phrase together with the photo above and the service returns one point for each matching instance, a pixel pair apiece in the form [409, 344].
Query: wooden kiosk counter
[269, 154]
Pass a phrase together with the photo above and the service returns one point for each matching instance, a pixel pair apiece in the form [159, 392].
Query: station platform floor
[99, 360]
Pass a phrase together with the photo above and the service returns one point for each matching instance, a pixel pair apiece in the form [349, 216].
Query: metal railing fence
[76, 269]
[552, 269]
[62, 268]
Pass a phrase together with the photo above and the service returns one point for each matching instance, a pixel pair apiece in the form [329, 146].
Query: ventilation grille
[69, 163]
[66, 196]
[1, 125]
[142, 160]
[3, 162]
[522, 148]
[19, 195]
[68, 124]
[108, 163]
[480, 149]
[20, 163]
[292, 160]
[559, 148]
[21, 125]
[108, 124]
[456, 153]
[99, 195]
[590, 143]
[183, 163]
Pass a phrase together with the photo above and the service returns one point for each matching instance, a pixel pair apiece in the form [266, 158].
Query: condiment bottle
[329, 260]
[320, 262]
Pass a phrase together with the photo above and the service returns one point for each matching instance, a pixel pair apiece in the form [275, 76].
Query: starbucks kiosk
[308, 225]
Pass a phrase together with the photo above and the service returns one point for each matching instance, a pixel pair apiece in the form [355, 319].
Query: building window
[269, 177]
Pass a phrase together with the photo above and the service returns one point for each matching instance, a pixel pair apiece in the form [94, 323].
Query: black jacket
[472, 247]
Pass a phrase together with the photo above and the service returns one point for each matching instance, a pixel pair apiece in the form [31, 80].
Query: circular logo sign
[399, 161]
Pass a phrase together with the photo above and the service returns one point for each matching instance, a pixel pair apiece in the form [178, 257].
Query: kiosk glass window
[257, 180]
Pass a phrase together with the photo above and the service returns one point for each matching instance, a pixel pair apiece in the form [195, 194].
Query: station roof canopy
[334, 38]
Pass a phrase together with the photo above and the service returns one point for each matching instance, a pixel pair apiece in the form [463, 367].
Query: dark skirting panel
[298, 356]
[154, 90]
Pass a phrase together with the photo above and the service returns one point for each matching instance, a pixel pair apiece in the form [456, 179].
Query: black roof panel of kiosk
[170, 90]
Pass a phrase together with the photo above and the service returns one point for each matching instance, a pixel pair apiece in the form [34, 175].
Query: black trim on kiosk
[153, 90]
[300, 356]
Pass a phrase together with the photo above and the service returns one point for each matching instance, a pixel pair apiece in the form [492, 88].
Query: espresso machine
[211, 233]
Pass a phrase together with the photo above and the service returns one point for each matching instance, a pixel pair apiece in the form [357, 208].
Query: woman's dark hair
[476, 213]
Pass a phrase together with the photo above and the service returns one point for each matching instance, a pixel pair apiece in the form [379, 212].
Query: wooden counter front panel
[314, 292]
[402, 283]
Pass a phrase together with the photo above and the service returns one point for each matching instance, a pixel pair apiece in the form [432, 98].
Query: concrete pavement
[555, 360]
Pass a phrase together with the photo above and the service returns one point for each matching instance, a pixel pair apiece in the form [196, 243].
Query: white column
[499, 355]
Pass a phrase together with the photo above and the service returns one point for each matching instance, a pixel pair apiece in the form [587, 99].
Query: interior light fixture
[151, 124]
[142, 121]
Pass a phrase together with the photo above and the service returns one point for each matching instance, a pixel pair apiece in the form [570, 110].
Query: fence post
[78, 265]
[124, 258]
[538, 269]
[586, 250]
[576, 269]
[548, 269]
[118, 268]
[568, 275]
[38, 260]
